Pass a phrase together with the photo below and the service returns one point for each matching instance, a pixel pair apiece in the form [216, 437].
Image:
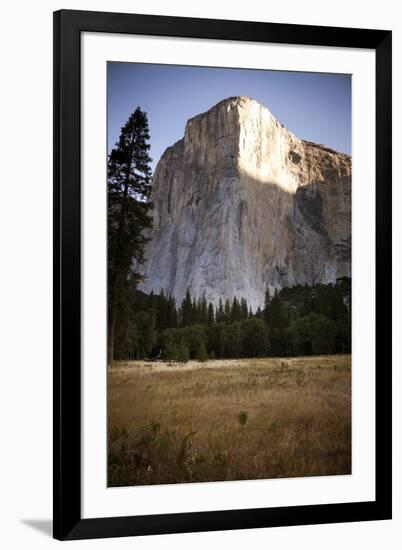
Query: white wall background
[26, 271]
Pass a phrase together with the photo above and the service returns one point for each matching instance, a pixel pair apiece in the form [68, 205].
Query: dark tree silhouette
[129, 213]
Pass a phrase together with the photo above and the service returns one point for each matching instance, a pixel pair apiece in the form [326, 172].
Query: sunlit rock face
[241, 203]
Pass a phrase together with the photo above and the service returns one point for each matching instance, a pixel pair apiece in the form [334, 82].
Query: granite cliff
[241, 203]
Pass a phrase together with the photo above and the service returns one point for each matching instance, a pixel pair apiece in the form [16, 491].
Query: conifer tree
[129, 213]
[267, 303]
[236, 311]
[219, 311]
[186, 309]
[172, 312]
[244, 308]
[203, 312]
[258, 313]
[211, 314]
[276, 316]
[227, 310]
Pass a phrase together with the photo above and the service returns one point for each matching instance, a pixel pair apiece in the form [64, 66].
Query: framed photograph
[222, 275]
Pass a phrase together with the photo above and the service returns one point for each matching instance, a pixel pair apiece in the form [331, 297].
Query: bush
[183, 354]
[201, 353]
[170, 352]
[243, 416]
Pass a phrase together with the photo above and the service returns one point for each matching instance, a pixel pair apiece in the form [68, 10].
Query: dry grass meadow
[228, 420]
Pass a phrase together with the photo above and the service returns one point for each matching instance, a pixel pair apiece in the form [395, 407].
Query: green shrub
[243, 416]
[201, 353]
[183, 354]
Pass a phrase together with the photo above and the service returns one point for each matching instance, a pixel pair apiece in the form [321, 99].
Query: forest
[299, 320]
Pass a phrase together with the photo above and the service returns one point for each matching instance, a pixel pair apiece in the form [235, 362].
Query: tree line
[298, 320]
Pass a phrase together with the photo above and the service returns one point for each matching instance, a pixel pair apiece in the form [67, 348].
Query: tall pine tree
[129, 213]
[267, 303]
[186, 310]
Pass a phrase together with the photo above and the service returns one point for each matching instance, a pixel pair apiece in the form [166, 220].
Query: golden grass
[229, 419]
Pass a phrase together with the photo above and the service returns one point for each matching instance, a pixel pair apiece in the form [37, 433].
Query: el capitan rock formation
[241, 203]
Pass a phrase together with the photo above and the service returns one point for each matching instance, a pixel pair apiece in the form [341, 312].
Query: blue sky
[314, 106]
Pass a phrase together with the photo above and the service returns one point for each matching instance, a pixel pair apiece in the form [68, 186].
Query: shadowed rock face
[240, 203]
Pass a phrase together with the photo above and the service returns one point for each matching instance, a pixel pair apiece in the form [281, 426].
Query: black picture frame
[68, 522]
